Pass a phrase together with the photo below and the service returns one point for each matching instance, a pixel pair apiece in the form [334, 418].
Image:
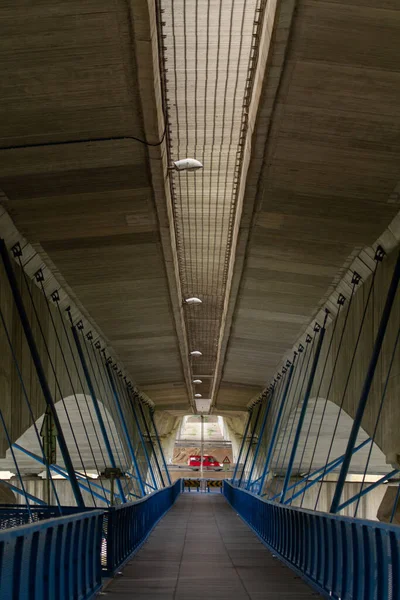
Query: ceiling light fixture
[187, 164]
[196, 353]
[197, 381]
[198, 396]
[193, 300]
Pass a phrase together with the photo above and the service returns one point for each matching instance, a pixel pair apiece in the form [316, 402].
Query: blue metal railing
[12, 515]
[55, 558]
[127, 526]
[341, 557]
[66, 557]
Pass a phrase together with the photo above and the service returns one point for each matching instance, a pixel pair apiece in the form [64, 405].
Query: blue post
[303, 412]
[125, 428]
[242, 446]
[40, 371]
[25, 494]
[148, 433]
[160, 447]
[367, 385]
[60, 471]
[142, 440]
[250, 443]
[260, 437]
[368, 489]
[276, 428]
[97, 409]
[321, 472]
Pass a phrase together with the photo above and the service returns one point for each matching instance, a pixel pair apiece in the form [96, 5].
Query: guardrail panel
[341, 557]
[51, 559]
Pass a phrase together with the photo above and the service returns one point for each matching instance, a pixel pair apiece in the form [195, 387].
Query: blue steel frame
[339, 557]
[148, 433]
[321, 472]
[159, 446]
[129, 525]
[368, 489]
[56, 558]
[125, 428]
[260, 437]
[250, 442]
[367, 385]
[97, 408]
[40, 371]
[23, 493]
[143, 443]
[276, 428]
[246, 430]
[60, 471]
[303, 412]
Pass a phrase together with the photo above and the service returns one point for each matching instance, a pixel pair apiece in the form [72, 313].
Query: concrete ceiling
[69, 73]
[330, 164]
[321, 155]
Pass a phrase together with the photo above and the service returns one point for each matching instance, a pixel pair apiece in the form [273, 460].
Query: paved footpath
[201, 550]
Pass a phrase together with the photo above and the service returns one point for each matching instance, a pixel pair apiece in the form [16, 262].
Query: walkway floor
[201, 550]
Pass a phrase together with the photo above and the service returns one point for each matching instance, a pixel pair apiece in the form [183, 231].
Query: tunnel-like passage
[202, 549]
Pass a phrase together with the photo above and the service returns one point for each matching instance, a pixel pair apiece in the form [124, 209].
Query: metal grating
[209, 51]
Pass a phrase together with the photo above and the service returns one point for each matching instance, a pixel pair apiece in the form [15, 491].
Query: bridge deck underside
[202, 549]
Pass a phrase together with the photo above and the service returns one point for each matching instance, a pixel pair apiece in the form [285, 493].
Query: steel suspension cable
[360, 329]
[382, 402]
[53, 368]
[83, 389]
[355, 282]
[315, 407]
[72, 388]
[9, 441]
[105, 398]
[297, 370]
[310, 346]
[29, 406]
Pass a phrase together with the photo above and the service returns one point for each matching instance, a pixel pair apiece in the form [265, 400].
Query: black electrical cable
[87, 141]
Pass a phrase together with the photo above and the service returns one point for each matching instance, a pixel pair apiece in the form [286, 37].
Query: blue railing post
[160, 447]
[260, 436]
[276, 427]
[340, 557]
[242, 445]
[367, 385]
[40, 371]
[96, 407]
[303, 411]
[125, 428]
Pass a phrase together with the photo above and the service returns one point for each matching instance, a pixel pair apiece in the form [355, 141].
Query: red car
[209, 462]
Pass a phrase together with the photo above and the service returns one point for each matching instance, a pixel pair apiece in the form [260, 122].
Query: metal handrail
[341, 557]
[55, 558]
